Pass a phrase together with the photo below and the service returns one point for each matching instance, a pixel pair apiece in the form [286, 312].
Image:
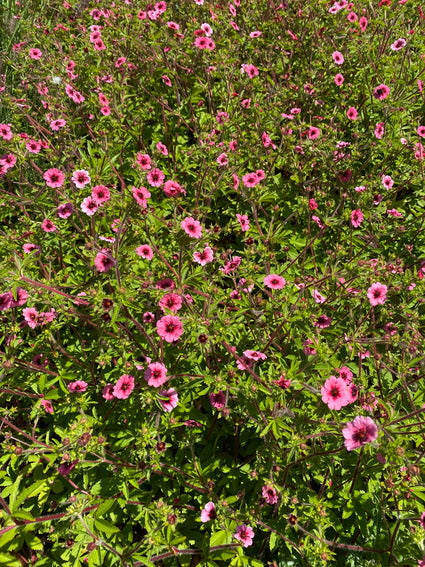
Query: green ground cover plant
[212, 269]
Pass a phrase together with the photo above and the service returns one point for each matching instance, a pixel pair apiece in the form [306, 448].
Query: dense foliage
[211, 305]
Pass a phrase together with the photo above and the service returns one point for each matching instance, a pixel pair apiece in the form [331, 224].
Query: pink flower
[318, 297]
[156, 374]
[21, 297]
[250, 179]
[169, 328]
[307, 349]
[5, 301]
[33, 147]
[244, 534]
[171, 301]
[103, 261]
[169, 399]
[283, 382]
[155, 177]
[273, 281]
[231, 265]
[377, 294]
[270, 494]
[162, 148]
[394, 213]
[78, 386]
[124, 387]
[208, 512]
[54, 178]
[30, 247]
[243, 221]
[363, 23]
[47, 405]
[35, 54]
[352, 113]
[100, 194]
[313, 133]
[48, 226]
[108, 392]
[30, 315]
[6, 132]
[204, 257]
[218, 400]
[145, 251]
[141, 194]
[222, 159]
[381, 92]
[338, 58]
[80, 178]
[317, 220]
[57, 124]
[359, 432]
[173, 189]
[339, 79]
[422, 521]
[192, 227]
[144, 161]
[387, 181]
[254, 355]
[345, 374]
[88, 206]
[398, 44]
[334, 393]
[64, 211]
[356, 218]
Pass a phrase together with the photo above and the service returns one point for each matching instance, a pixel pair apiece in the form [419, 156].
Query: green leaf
[7, 560]
[104, 507]
[8, 536]
[222, 537]
[106, 527]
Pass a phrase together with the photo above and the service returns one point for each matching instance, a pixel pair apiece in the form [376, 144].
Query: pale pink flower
[338, 58]
[204, 257]
[243, 221]
[356, 218]
[80, 178]
[270, 494]
[377, 294]
[89, 206]
[208, 512]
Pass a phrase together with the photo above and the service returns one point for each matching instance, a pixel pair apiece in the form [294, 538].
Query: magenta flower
[169, 328]
[283, 382]
[204, 257]
[208, 512]
[421, 131]
[273, 281]
[377, 294]
[313, 133]
[145, 251]
[64, 211]
[322, 322]
[54, 178]
[218, 400]
[359, 432]
[123, 387]
[381, 92]
[155, 177]
[169, 399]
[334, 393]
[379, 130]
[78, 386]
[156, 374]
[270, 494]
[356, 218]
[244, 534]
[192, 227]
[250, 179]
[35, 54]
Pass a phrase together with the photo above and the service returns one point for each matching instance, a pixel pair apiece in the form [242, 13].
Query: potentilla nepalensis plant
[212, 279]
